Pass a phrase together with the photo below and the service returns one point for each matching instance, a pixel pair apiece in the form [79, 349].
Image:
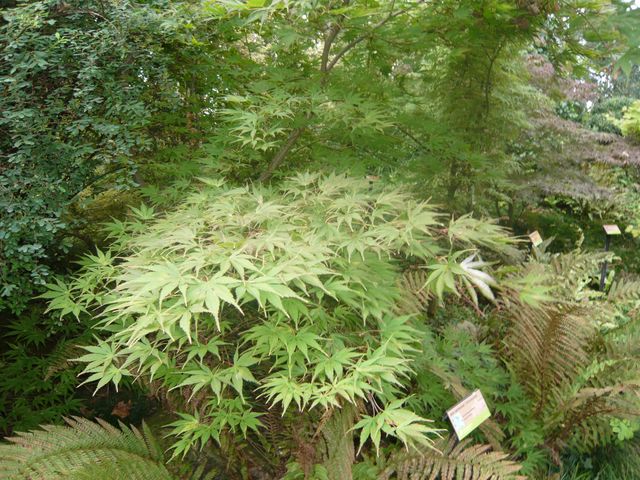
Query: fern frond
[575, 269]
[623, 290]
[583, 418]
[275, 431]
[415, 297]
[59, 358]
[549, 346]
[452, 461]
[83, 450]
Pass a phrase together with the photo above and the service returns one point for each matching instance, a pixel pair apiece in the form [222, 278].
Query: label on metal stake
[468, 414]
[612, 229]
[535, 238]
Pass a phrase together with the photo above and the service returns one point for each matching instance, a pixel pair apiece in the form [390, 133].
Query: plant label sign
[468, 414]
[612, 230]
[535, 238]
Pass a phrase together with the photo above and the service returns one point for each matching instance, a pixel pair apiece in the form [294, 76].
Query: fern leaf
[59, 358]
[582, 420]
[83, 450]
[452, 461]
[415, 297]
[549, 346]
[624, 290]
[574, 270]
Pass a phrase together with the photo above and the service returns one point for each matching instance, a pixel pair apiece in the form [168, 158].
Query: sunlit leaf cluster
[252, 297]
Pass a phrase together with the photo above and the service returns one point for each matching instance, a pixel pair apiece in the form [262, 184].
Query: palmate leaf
[83, 450]
[202, 377]
[280, 295]
[284, 390]
[399, 422]
[446, 276]
[452, 461]
[330, 367]
[102, 365]
[483, 232]
[233, 414]
[61, 298]
[480, 280]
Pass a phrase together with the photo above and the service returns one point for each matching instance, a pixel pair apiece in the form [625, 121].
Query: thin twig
[282, 153]
[92, 13]
[364, 36]
[413, 137]
[487, 85]
[326, 67]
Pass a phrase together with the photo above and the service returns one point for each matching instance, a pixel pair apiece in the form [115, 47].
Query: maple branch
[325, 67]
[364, 36]
[331, 36]
[279, 157]
[284, 150]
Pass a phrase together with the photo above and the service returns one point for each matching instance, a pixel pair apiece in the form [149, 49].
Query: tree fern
[337, 439]
[83, 450]
[453, 461]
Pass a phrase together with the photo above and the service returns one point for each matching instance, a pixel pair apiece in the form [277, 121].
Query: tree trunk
[339, 452]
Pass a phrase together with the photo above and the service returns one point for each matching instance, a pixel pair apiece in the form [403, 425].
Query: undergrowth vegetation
[282, 239]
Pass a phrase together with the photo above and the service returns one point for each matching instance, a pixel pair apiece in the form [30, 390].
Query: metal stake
[603, 275]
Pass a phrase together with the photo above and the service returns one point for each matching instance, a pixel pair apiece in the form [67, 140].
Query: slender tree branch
[364, 36]
[488, 83]
[282, 153]
[328, 41]
[325, 67]
[279, 157]
[91, 13]
[95, 180]
[413, 137]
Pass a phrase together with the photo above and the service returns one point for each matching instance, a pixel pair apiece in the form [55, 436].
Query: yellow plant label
[535, 238]
[468, 414]
[612, 229]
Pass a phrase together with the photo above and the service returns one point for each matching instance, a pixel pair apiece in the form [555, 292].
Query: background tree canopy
[292, 232]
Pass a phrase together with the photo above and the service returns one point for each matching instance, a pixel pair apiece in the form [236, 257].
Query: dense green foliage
[630, 124]
[82, 450]
[305, 269]
[38, 385]
[286, 233]
[87, 88]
